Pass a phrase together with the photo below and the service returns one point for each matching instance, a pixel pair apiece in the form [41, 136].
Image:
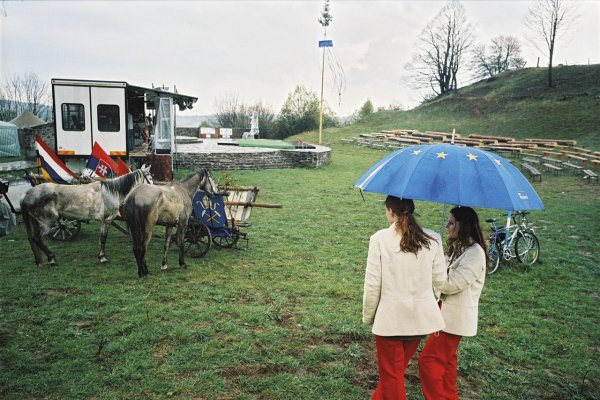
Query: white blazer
[461, 291]
[398, 297]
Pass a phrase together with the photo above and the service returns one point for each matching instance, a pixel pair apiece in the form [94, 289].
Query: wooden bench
[576, 157]
[531, 160]
[590, 175]
[533, 171]
[551, 160]
[553, 168]
[572, 166]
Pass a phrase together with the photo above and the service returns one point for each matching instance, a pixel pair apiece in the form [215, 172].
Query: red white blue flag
[100, 165]
[52, 168]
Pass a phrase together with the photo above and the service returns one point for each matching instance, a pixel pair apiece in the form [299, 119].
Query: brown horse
[44, 204]
[168, 205]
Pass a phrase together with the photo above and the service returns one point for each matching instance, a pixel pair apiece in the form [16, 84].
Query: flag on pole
[122, 167]
[100, 165]
[52, 168]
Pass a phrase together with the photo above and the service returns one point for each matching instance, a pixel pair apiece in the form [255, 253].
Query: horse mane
[200, 172]
[122, 185]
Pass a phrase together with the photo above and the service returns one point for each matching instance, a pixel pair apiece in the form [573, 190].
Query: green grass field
[282, 319]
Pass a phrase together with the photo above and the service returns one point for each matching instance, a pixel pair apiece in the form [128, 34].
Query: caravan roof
[184, 102]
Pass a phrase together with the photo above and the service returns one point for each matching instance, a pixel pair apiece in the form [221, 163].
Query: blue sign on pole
[325, 43]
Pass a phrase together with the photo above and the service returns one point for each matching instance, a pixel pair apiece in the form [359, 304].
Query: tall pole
[321, 112]
[324, 21]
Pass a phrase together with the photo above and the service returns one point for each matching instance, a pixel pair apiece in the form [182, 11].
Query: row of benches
[535, 173]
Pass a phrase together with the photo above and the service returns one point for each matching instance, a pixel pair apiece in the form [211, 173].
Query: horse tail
[29, 221]
[136, 224]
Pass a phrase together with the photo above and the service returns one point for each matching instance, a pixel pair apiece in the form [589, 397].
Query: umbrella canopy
[451, 174]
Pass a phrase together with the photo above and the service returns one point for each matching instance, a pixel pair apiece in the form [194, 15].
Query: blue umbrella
[451, 174]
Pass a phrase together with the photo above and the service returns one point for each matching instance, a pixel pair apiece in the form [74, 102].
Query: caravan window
[108, 118]
[72, 117]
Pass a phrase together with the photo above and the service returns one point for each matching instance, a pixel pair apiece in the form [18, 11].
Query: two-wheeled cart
[221, 219]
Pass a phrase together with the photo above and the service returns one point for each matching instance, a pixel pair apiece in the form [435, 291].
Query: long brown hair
[412, 236]
[469, 231]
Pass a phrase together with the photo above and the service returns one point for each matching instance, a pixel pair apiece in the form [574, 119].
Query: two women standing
[404, 262]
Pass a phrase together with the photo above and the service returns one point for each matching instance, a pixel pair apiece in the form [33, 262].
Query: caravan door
[73, 120]
[108, 116]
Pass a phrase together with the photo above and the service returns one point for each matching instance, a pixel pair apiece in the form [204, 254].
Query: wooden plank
[504, 139]
[574, 157]
[553, 167]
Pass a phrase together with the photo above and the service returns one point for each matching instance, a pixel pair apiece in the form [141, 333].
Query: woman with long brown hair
[459, 295]
[398, 298]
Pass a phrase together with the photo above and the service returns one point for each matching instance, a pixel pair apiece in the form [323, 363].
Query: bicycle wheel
[528, 248]
[495, 254]
[65, 229]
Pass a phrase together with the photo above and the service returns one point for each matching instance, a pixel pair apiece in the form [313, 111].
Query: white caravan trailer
[112, 114]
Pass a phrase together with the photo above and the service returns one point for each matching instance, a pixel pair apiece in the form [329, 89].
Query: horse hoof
[52, 263]
[103, 260]
[184, 266]
[163, 268]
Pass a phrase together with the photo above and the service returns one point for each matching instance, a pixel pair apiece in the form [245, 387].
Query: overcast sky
[256, 50]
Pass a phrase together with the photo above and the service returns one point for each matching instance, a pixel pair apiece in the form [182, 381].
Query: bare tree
[547, 19]
[503, 54]
[230, 112]
[441, 49]
[26, 92]
[233, 113]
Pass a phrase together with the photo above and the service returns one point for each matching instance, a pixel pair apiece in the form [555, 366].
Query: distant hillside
[515, 103]
[192, 121]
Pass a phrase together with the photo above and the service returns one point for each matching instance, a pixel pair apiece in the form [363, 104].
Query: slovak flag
[52, 168]
[100, 165]
[122, 167]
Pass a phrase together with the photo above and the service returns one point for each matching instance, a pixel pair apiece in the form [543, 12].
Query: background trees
[24, 92]
[230, 112]
[441, 50]
[547, 19]
[299, 113]
[502, 54]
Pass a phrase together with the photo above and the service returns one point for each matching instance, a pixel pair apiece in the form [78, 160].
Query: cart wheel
[227, 241]
[65, 229]
[197, 239]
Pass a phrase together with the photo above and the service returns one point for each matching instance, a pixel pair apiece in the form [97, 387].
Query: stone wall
[277, 158]
[193, 132]
[27, 138]
[315, 158]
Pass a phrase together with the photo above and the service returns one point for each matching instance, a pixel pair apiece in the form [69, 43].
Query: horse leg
[144, 248]
[180, 236]
[38, 246]
[166, 246]
[103, 235]
[51, 257]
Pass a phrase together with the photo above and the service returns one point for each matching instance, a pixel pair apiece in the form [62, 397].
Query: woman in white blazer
[398, 298]
[459, 294]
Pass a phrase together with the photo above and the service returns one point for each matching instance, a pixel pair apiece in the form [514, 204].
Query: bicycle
[521, 244]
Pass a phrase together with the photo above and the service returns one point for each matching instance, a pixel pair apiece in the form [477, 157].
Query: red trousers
[438, 367]
[393, 355]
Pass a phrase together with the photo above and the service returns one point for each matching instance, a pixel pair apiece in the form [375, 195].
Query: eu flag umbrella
[452, 174]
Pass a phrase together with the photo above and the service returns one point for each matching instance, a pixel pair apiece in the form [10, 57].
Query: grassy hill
[515, 103]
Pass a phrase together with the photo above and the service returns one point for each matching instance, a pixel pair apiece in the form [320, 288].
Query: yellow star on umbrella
[416, 152]
[472, 157]
[441, 155]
